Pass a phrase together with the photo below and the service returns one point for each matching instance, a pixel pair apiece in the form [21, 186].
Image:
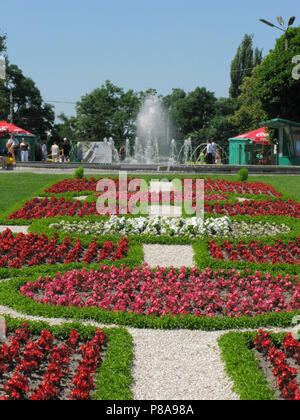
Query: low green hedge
[114, 376]
[243, 367]
[12, 298]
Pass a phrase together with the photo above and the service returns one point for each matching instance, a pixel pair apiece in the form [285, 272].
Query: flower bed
[220, 185]
[192, 227]
[32, 249]
[54, 207]
[257, 252]
[256, 208]
[45, 368]
[163, 291]
[283, 362]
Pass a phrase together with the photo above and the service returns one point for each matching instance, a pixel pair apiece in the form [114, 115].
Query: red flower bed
[32, 249]
[256, 208]
[257, 252]
[44, 368]
[54, 207]
[219, 185]
[167, 291]
[285, 363]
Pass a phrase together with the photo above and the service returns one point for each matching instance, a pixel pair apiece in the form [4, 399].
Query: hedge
[114, 376]
[243, 367]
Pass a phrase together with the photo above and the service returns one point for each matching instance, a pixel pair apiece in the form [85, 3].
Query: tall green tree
[190, 112]
[107, 112]
[250, 112]
[29, 110]
[275, 86]
[243, 63]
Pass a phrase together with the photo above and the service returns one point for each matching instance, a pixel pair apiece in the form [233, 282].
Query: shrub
[243, 175]
[79, 173]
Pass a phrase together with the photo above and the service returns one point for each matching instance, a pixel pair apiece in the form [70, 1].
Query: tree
[243, 63]
[66, 128]
[29, 110]
[190, 112]
[107, 112]
[250, 112]
[275, 87]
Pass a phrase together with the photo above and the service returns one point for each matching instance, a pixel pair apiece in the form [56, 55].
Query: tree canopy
[245, 60]
[275, 87]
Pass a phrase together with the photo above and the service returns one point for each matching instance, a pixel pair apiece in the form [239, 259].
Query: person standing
[24, 148]
[55, 152]
[66, 151]
[214, 149]
[209, 153]
[79, 152]
[218, 158]
[44, 151]
[12, 146]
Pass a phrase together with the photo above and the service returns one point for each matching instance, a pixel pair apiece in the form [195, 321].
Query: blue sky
[70, 47]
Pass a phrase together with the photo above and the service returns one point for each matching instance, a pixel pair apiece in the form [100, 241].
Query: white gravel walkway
[15, 229]
[169, 255]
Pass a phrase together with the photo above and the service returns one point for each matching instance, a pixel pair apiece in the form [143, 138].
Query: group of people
[8, 156]
[212, 154]
[62, 154]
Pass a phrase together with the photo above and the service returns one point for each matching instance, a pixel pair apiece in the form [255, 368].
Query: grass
[15, 187]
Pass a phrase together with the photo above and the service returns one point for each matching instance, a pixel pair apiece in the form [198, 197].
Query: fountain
[152, 144]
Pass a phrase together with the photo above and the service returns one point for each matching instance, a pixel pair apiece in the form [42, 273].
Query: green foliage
[243, 174]
[108, 111]
[79, 173]
[30, 112]
[243, 368]
[191, 111]
[275, 87]
[250, 112]
[242, 65]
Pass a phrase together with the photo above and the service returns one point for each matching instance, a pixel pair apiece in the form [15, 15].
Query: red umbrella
[257, 136]
[7, 128]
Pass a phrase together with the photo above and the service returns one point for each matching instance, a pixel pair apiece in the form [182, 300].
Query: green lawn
[18, 186]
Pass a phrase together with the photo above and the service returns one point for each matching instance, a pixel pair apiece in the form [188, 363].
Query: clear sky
[70, 47]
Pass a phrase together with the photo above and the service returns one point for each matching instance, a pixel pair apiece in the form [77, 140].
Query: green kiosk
[288, 135]
[254, 148]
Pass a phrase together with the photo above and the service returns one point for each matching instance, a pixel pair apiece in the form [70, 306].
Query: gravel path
[15, 229]
[169, 255]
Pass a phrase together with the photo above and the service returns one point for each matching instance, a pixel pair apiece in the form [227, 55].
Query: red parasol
[7, 128]
[257, 136]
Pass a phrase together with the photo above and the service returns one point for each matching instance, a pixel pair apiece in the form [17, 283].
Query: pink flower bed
[167, 291]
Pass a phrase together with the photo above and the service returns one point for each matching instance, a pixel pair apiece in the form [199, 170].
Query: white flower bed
[192, 227]
[171, 226]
